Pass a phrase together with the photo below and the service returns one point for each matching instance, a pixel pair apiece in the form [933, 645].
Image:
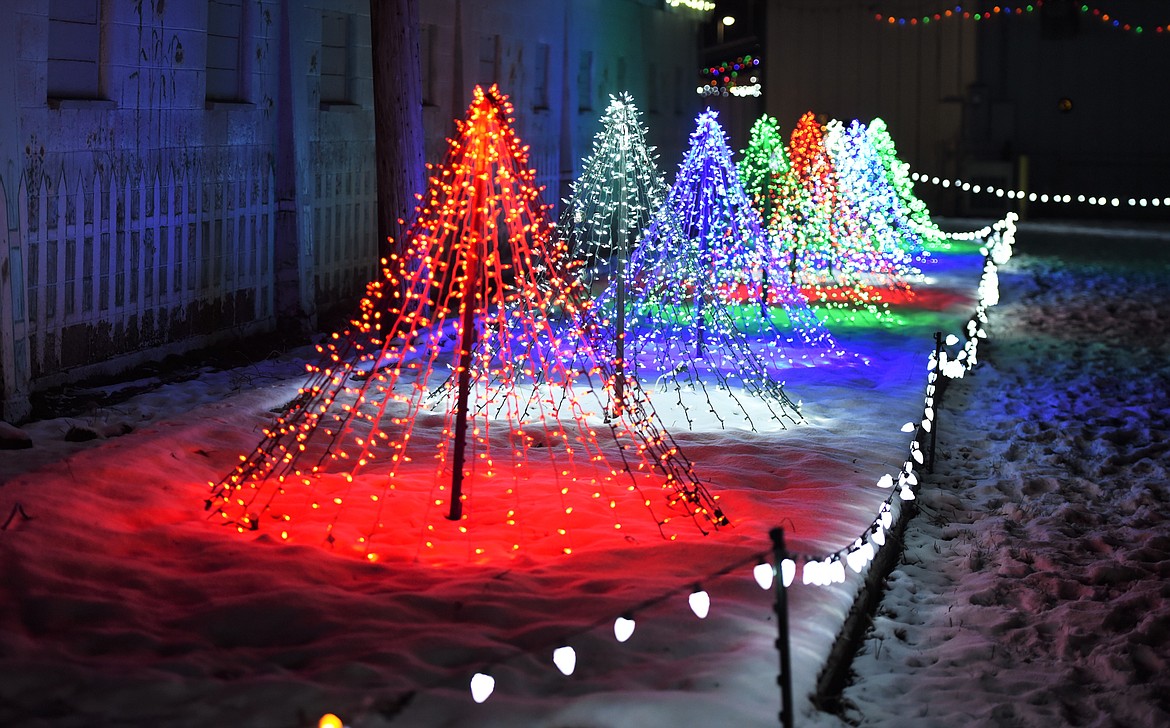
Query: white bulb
[700, 603]
[952, 339]
[886, 481]
[836, 572]
[482, 686]
[565, 658]
[879, 537]
[787, 572]
[908, 427]
[623, 628]
[764, 574]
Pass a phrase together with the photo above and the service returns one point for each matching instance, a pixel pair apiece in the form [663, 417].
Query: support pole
[779, 554]
[619, 376]
[466, 344]
[937, 394]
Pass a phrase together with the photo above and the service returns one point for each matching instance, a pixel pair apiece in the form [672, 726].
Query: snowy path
[1035, 589]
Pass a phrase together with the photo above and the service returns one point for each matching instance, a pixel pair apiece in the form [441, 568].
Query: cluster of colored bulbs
[728, 78]
[958, 12]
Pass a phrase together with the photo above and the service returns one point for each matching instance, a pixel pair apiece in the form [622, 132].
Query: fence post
[935, 399]
[779, 554]
[15, 372]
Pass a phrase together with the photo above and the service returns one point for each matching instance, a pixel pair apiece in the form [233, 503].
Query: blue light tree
[866, 187]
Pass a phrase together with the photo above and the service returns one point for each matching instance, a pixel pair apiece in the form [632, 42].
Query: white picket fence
[99, 271]
[108, 266]
[345, 226]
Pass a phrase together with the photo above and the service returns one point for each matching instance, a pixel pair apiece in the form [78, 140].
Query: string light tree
[763, 167]
[614, 200]
[701, 309]
[874, 203]
[898, 174]
[453, 356]
[828, 253]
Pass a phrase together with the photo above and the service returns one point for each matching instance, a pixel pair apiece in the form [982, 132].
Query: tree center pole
[466, 345]
[619, 363]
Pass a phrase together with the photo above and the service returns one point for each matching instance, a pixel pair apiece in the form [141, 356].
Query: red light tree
[454, 359]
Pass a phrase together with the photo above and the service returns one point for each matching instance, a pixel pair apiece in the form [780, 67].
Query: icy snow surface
[1032, 593]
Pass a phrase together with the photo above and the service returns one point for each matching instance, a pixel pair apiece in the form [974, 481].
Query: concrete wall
[981, 100]
[606, 46]
[833, 58]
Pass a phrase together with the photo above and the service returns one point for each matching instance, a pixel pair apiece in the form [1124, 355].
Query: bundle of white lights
[1101, 200]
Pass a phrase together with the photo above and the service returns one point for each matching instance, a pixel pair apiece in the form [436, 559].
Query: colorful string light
[459, 333]
[997, 11]
[738, 77]
[958, 13]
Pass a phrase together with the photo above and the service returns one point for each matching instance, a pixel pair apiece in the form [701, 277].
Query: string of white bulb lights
[1100, 200]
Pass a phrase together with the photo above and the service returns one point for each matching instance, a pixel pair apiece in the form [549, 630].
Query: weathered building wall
[176, 173]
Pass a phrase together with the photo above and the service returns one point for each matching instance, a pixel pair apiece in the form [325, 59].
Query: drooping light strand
[1041, 197]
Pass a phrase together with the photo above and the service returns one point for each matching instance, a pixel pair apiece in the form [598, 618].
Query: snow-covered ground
[1035, 590]
[1032, 592]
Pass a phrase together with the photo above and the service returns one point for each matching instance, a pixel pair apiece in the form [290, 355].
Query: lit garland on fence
[998, 11]
[1102, 200]
[825, 569]
[727, 79]
[461, 319]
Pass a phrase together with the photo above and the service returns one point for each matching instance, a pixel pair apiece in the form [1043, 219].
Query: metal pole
[935, 398]
[779, 554]
[466, 344]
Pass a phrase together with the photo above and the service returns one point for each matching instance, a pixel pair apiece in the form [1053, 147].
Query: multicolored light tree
[701, 308]
[454, 359]
[830, 256]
